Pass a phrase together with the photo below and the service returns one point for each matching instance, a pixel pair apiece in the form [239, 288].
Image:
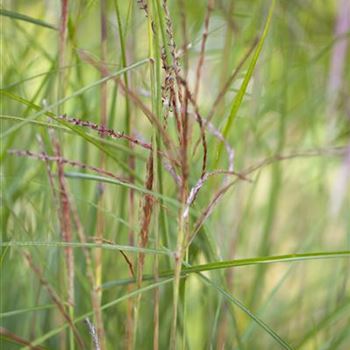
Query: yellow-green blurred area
[290, 139]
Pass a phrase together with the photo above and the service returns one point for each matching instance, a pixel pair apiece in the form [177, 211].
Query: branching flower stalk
[331, 151]
[104, 131]
[171, 94]
[170, 148]
[47, 158]
[177, 95]
[183, 224]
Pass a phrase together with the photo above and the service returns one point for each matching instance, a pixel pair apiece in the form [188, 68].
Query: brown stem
[210, 8]
[5, 333]
[45, 157]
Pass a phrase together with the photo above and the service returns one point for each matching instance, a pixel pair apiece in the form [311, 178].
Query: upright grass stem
[100, 220]
[210, 8]
[64, 202]
[154, 54]
[130, 160]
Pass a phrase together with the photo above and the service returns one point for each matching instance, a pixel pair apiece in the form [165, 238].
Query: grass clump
[175, 175]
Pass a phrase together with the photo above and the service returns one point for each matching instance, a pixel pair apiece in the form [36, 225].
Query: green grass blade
[27, 310]
[93, 140]
[342, 309]
[243, 262]
[55, 126]
[75, 94]
[106, 246]
[21, 17]
[241, 92]
[140, 189]
[104, 307]
[267, 260]
[242, 307]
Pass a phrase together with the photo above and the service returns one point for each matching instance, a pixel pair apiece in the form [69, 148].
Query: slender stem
[100, 223]
[65, 207]
[202, 52]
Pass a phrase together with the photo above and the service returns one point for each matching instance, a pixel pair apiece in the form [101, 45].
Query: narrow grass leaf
[140, 189]
[27, 310]
[21, 17]
[93, 140]
[237, 263]
[106, 246]
[104, 307]
[241, 92]
[75, 94]
[69, 130]
[241, 306]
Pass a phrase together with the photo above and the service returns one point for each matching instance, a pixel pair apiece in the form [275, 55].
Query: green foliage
[217, 221]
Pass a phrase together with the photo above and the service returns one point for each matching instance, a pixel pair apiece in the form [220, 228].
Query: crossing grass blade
[27, 310]
[107, 246]
[236, 103]
[93, 140]
[21, 17]
[243, 308]
[104, 307]
[65, 99]
[240, 263]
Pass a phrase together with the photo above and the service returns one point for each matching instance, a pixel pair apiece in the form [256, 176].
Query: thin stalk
[90, 274]
[275, 189]
[62, 48]
[55, 299]
[228, 45]
[147, 209]
[160, 223]
[205, 34]
[100, 220]
[184, 299]
[177, 274]
[66, 229]
[184, 30]
[65, 207]
[106, 306]
[130, 160]
[183, 227]
[156, 262]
